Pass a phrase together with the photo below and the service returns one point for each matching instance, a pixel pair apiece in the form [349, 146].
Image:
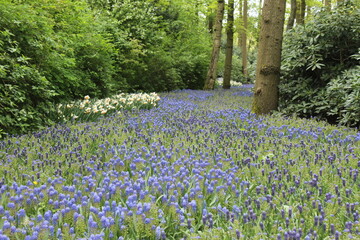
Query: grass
[198, 166]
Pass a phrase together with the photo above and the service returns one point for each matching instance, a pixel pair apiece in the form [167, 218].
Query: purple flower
[21, 213]
[158, 232]
[6, 225]
[4, 237]
[192, 204]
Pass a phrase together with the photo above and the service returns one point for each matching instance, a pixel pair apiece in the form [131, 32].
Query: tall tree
[291, 19]
[269, 57]
[244, 39]
[212, 71]
[229, 45]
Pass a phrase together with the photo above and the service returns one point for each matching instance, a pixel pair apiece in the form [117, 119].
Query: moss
[269, 69]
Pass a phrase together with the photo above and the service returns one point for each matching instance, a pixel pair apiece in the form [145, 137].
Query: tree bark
[327, 4]
[241, 24]
[300, 12]
[259, 15]
[229, 45]
[212, 71]
[291, 19]
[303, 10]
[244, 40]
[269, 57]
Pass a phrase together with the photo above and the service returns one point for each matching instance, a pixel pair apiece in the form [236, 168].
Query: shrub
[343, 94]
[160, 46]
[49, 52]
[313, 55]
[24, 91]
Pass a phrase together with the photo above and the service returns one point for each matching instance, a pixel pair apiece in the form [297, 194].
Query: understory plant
[315, 57]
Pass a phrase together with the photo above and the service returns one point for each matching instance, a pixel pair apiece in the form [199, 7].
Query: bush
[49, 52]
[343, 94]
[82, 59]
[160, 46]
[314, 55]
[25, 92]
[56, 51]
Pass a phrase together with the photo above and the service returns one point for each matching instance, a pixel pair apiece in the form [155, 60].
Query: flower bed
[199, 166]
[88, 109]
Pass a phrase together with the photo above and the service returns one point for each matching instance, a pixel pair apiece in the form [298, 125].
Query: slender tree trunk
[244, 40]
[229, 45]
[269, 57]
[212, 71]
[256, 41]
[300, 12]
[291, 20]
[259, 15]
[241, 24]
[303, 10]
[328, 4]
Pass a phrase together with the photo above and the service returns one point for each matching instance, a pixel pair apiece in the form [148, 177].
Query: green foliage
[314, 56]
[160, 45]
[237, 72]
[24, 91]
[343, 94]
[50, 51]
[55, 51]
[81, 62]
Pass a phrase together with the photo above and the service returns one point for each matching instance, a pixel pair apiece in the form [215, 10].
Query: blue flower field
[197, 166]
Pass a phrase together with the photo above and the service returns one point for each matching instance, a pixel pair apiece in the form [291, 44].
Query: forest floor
[200, 165]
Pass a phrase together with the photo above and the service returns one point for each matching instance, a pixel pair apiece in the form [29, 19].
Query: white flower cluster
[219, 82]
[111, 104]
[120, 101]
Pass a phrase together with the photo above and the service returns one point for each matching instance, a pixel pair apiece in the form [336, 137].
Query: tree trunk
[303, 10]
[229, 45]
[241, 24]
[328, 4]
[212, 71]
[244, 40]
[300, 12]
[269, 57]
[291, 20]
[259, 15]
